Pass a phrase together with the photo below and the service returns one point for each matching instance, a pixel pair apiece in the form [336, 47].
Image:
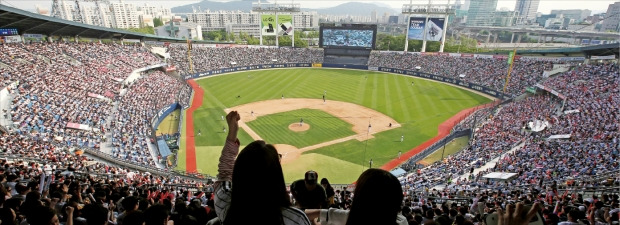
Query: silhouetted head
[377, 193]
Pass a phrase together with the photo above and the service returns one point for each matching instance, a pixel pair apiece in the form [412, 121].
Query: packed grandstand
[79, 146]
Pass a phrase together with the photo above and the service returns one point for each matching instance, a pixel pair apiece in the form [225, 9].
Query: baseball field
[350, 118]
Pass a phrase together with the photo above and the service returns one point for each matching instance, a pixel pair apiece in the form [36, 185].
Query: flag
[511, 57]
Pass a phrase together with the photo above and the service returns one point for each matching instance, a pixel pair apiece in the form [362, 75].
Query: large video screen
[348, 37]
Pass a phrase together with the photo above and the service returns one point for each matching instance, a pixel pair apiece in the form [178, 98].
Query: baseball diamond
[358, 110]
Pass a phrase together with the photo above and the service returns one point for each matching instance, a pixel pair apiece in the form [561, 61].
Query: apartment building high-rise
[93, 16]
[481, 12]
[237, 21]
[148, 13]
[347, 19]
[576, 14]
[62, 10]
[465, 5]
[373, 16]
[218, 20]
[527, 10]
[306, 20]
[612, 22]
[124, 15]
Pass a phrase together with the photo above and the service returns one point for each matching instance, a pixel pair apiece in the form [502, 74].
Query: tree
[300, 43]
[157, 22]
[144, 30]
[284, 41]
[244, 37]
[212, 35]
[389, 42]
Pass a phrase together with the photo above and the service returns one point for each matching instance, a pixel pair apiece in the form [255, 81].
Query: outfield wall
[163, 113]
[444, 141]
[465, 84]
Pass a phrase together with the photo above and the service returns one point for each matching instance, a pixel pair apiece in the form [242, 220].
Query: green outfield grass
[323, 127]
[419, 108]
[170, 124]
[205, 158]
[452, 147]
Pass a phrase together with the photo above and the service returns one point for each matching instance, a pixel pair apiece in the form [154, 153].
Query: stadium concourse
[50, 89]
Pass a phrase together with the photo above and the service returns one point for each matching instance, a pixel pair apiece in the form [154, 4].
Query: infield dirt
[365, 121]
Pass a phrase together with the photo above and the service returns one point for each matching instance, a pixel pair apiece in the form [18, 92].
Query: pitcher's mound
[295, 127]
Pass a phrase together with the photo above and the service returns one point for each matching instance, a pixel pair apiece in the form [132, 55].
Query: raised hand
[232, 119]
[514, 214]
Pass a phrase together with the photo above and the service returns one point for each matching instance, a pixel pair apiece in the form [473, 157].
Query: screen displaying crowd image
[349, 38]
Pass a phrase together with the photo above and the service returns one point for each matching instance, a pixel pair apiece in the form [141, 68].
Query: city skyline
[597, 6]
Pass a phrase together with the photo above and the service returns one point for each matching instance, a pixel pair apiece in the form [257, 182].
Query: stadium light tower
[275, 8]
[428, 10]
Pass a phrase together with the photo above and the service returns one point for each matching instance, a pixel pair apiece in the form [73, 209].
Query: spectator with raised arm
[256, 170]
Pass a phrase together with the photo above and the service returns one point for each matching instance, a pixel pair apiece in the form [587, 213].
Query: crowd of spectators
[494, 137]
[489, 72]
[591, 150]
[55, 84]
[592, 94]
[40, 180]
[54, 81]
[132, 128]
[206, 59]
[134, 198]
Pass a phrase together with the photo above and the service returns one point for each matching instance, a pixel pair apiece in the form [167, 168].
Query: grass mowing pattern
[323, 127]
[419, 108]
[209, 122]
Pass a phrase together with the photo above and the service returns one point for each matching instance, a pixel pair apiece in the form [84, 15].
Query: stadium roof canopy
[31, 23]
[594, 50]
[602, 50]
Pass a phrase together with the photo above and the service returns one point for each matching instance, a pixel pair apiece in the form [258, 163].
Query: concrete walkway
[154, 154]
[106, 147]
[6, 99]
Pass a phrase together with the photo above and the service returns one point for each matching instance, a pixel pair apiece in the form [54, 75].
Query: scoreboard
[8, 32]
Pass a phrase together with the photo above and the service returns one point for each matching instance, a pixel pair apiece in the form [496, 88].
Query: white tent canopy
[500, 176]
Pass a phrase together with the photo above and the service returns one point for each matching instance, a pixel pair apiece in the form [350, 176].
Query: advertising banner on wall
[416, 28]
[268, 25]
[435, 29]
[285, 24]
[11, 39]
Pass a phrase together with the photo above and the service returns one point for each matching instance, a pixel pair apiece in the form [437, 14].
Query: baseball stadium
[101, 122]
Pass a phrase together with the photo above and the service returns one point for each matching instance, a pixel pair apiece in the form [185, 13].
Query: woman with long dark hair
[329, 191]
[251, 189]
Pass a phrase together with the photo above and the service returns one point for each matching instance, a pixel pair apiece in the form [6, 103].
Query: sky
[545, 6]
